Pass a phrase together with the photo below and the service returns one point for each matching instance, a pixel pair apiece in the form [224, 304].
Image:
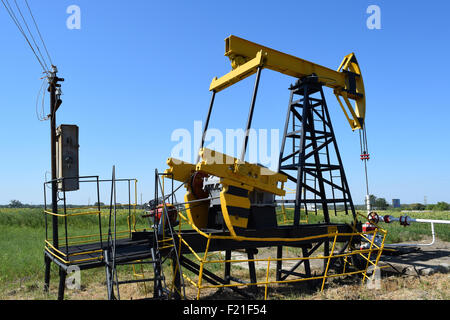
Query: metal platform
[87, 256]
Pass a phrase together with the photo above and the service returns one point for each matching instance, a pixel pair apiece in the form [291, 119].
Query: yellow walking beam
[246, 57]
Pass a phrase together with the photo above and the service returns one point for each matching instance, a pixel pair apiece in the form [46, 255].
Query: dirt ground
[420, 274]
[422, 259]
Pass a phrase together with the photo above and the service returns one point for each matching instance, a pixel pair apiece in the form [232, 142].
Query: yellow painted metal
[332, 229]
[354, 122]
[239, 50]
[267, 279]
[89, 238]
[197, 212]
[248, 175]
[235, 201]
[350, 64]
[71, 214]
[246, 57]
[232, 172]
[118, 205]
[139, 274]
[332, 233]
[372, 242]
[329, 258]
[50, 248]
[229, 179]
[180, 170]
[284, 212]
[287, 240]
[238, 74]
[229, 204]
[202, 263]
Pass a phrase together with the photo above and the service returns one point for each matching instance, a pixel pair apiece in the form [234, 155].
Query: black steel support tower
[310, 158]
[309, 154]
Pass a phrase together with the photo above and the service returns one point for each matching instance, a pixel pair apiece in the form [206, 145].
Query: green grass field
[22, 235]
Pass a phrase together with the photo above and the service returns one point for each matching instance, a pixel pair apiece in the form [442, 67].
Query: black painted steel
[310, 158]
[205, 128]
[308, 149]
[250, 113]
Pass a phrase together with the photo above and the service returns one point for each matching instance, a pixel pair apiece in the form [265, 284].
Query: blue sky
[137, 70]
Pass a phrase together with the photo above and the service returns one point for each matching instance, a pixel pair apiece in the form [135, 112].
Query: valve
[404, 221]
[373, 217]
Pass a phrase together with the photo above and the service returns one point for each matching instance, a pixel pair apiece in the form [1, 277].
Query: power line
[41, 115]
[18, 25]
[31, 35]
[40, 36]
[33, 44]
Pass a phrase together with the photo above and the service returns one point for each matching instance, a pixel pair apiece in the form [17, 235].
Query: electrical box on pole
[67, 163]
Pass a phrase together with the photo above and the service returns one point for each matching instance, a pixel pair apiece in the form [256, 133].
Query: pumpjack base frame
[307, 237]
[138, 246]
[198, 242]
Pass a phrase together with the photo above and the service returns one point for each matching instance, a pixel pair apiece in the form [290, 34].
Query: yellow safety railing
[366, 254]
[66, 250]
[283, 209]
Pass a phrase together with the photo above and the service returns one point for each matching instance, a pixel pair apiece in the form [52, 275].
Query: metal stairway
[116, 255]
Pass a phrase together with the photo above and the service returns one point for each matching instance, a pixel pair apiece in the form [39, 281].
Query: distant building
[396, 203]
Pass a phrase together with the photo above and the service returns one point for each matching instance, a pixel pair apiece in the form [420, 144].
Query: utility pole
[55, 102]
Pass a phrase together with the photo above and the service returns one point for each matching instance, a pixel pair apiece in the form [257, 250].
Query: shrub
[441, 206]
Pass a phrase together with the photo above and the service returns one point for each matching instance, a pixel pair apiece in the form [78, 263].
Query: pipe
[417, 244]
[368, 204]
[406, 221]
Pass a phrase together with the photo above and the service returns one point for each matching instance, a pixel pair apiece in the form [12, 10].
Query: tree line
[382, 204]
[376, 203]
